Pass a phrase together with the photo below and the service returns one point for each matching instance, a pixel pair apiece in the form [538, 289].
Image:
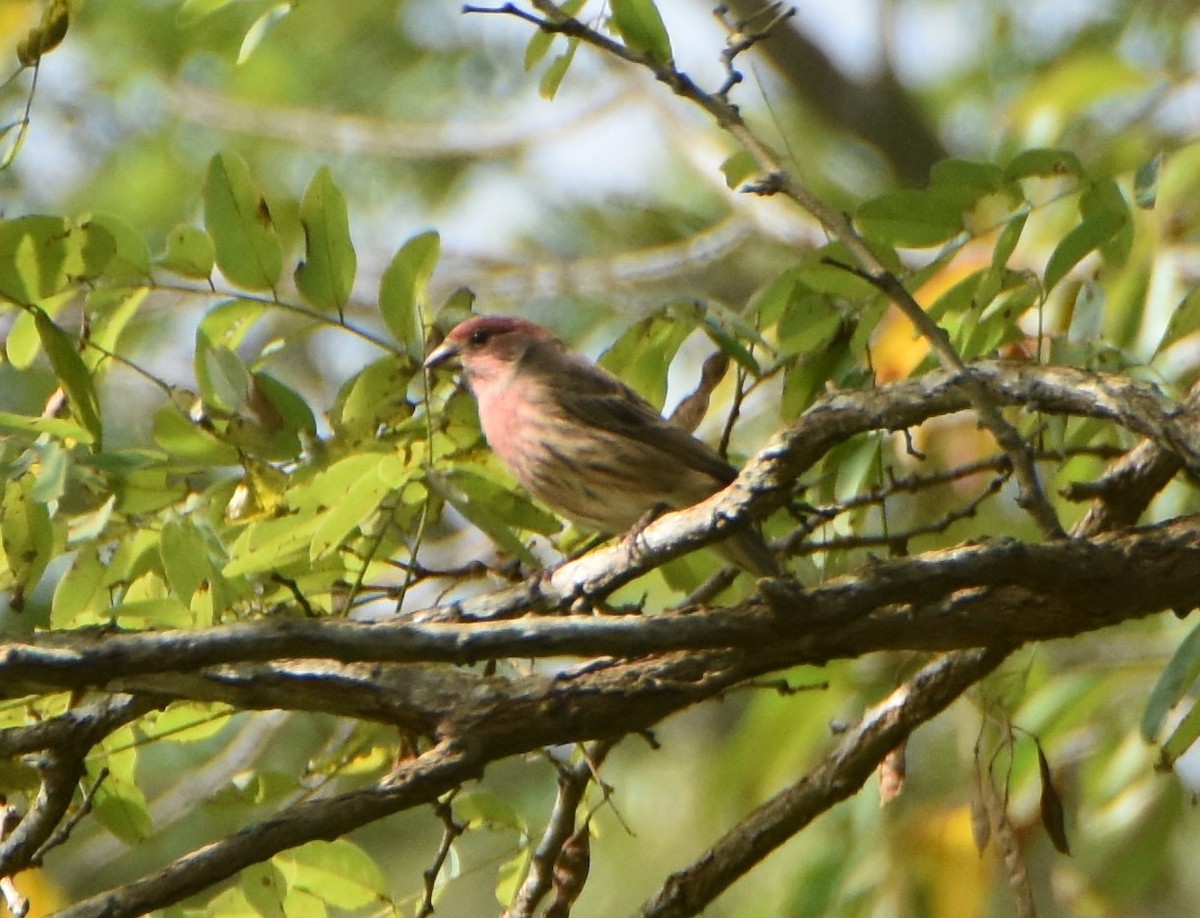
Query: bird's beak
[441, 354]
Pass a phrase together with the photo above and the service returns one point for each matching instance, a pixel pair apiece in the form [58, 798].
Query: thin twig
[63, 832]
[889, 539]
[451, 830]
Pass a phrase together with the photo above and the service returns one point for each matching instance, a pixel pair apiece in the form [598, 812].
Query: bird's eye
[479, 337]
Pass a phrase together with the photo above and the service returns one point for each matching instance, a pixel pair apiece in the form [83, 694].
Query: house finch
[579, 439]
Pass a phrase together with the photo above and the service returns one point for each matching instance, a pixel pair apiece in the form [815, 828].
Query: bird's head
[487, 345]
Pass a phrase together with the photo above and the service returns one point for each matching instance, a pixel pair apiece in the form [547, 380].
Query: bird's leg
[635, 531]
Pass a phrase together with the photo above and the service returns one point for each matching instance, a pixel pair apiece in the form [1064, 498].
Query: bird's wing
[598, 398]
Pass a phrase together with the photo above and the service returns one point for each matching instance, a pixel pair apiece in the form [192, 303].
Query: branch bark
[941, 600]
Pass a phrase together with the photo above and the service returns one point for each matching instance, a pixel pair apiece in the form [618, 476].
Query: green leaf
[22, 345]
[913, 219]
[537, 48]
[238, 220]
[1106, 196]
[131, 258]
[374, 398]
[1087, 317]
[184, 438]
[403, 290]
[26, 532]
[1091, 233]
[265, 887]
[51, 472]
[229, 323]
[958, 299]
[1145, 182]
[479, 513]
[1007, 241]
[980, 177]
[72, 374]
[642, 356]
[283, 415]
[83, 590]
[190, 252]
[337, 872]
[1174, 681]
[480, 809]
[184, 553]
[553, 76]
[480, 486]
[541, 40]
[768, 303]
[122, 809]
[1185, 319]
[112, 311]
[273, 543]
[511, 875]
[119, 804]
[41, 256]
[187, 722]
[737, 168]
[997, 324]
[59, 428]
[724, 327]
[362, 482]
[326, 277]
[1043, 162]
[807, 322]
[1181, 739]
[805, 379]
[224, 380]
[192, 11]
[260, 27]
[641, 28]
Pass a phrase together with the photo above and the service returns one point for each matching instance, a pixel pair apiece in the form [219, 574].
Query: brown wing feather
[597, 398]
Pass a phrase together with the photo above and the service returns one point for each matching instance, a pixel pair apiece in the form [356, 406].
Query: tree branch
[66, 741]
[638, 670]
[840, 775]
[940, 600]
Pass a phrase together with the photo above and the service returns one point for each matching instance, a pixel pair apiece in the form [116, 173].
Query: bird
[579, 439]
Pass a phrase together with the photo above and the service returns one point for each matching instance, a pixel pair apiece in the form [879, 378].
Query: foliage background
[589, 213]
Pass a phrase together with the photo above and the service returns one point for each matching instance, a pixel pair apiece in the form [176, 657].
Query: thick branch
[1122, 494]
[952, 598]
[67, 740]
